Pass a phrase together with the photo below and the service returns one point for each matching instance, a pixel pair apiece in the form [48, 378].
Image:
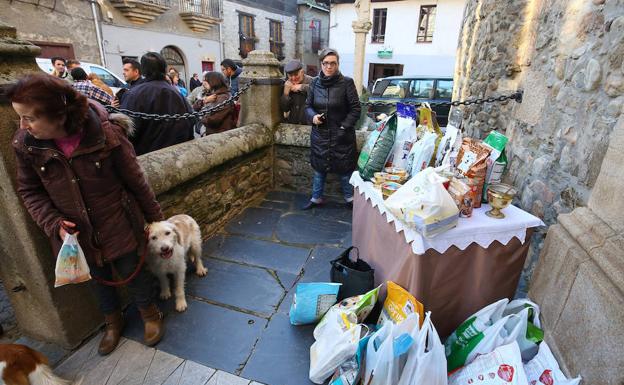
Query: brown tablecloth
[452, 285]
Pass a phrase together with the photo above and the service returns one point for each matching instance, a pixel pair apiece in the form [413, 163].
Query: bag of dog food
[448, 144]
[420, 155]
[472, 163]
[405, 136]
[311, 301]
[502, 365]
[544, 369]
[360, 306]
[460, 192]
[377, 148]
[399, 304]
[71, 264]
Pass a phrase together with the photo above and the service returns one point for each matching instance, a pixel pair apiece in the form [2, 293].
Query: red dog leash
[133, 275]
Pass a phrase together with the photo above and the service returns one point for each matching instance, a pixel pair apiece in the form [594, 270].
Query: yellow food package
[399, 304]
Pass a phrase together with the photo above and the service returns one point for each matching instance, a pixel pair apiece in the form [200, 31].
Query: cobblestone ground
[7, 316]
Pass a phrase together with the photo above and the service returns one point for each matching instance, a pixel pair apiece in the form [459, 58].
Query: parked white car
[108, 77]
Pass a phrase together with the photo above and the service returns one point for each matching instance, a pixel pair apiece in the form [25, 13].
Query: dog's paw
[181, 305]
[201, 272]
[165, 294]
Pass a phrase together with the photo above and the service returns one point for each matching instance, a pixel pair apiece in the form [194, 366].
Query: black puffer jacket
[332, 143]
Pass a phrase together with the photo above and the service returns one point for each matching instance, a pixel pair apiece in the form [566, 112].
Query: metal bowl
[499, 196]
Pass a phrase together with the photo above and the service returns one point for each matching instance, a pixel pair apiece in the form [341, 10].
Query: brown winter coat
[101, 187]
[222, 120]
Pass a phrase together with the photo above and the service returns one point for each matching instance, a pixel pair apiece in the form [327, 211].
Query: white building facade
[409, 37]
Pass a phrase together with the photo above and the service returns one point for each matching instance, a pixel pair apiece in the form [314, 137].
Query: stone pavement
[237, 320]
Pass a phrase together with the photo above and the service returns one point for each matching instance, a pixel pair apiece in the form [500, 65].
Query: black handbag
[356, 277]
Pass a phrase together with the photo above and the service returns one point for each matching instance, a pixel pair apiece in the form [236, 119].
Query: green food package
[377, 148]
[496, 162]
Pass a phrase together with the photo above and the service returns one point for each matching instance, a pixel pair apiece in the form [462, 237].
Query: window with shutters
[276, 44]
[315, 26]
[379, 25]
[426, 24]
[246, 34]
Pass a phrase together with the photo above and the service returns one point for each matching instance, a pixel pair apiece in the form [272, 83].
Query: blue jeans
[318, 184]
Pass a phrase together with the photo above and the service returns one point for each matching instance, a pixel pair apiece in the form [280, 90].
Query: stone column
[579, 279]
[361, 26]
[65, 315]
[260, 104]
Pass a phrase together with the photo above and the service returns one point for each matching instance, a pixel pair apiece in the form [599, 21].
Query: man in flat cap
[295, 93]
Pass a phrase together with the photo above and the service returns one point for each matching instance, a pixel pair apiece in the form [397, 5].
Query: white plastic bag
[424, 204]
[421, 153]
[529, 340]
[336, 343]
[426, 361]
[501, 366]
[71, 264]
[446, 145]
[405, 136]
[544, 369]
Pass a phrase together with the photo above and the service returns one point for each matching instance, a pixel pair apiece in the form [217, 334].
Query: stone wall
[292, 160]
[213, 178]
[567, 57]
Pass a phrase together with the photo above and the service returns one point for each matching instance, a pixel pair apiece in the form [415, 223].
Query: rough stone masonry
[567, 56]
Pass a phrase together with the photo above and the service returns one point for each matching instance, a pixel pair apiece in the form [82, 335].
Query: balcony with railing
[201, 15]
[141, 11]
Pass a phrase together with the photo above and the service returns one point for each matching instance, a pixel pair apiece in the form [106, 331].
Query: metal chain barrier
[188, 115]
[517, 96]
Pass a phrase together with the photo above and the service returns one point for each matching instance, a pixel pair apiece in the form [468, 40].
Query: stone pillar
[65, 315]
[579, 279]
[260, 104]
[361, 26]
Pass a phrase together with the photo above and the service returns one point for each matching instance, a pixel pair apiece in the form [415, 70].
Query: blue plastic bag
[311, 301]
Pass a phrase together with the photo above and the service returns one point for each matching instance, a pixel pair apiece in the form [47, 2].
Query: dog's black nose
[164, 249]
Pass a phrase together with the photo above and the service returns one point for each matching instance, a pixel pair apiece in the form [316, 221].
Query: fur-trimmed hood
[123, 121]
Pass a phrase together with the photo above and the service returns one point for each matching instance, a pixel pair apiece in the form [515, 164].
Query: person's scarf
[328, 81]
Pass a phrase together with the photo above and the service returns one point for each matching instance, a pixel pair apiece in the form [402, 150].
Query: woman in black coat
[333, 108]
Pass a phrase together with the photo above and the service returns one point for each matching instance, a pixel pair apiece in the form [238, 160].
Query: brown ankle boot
[114, 324]
[154, 326]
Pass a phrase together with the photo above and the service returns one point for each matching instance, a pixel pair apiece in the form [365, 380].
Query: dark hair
[53, 98]
[55, 58]
[72, 62]
[229, 63]
[328, 52]
[215, 80]
[78, 74]
[133, 63]
[153, 66]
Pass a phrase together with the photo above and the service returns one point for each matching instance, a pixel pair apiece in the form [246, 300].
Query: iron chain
[188, 115]
[517, 96]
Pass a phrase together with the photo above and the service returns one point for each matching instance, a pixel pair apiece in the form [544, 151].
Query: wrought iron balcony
[141, 11]
[201, 15]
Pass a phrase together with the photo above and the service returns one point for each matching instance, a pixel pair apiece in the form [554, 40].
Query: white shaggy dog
[170, 243]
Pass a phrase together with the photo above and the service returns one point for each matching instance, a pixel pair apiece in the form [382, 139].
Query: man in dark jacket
[295, 93]
[333, 107]
[231, 71]
[156, 96]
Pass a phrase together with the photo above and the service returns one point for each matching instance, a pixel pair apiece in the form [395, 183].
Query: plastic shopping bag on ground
[426, 362]
[350, 373]
[501, 366]
[504, 331]
[405, 136]
[360, 306]
[311, 301]
[71, 264]
[337, 343]
[543, 369]
[399, 304]
[534, 335]
[424, 204]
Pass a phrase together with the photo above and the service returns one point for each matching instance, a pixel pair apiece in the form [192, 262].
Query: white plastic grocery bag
[405, 136]
[71, 264]
[543, 369]
[529, 340]
[501, 366]
[426, 361]
[424, 204]
[335, 344]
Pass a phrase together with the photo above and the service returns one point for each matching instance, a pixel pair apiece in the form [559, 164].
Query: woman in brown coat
[218, 92]
[77, 171]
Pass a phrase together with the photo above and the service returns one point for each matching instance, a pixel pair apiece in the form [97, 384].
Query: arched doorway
[174, 59]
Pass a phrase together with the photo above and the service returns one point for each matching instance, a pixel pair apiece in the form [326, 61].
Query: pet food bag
[399, 304]
[472, 163]
[350, 372]
[446, 144]
[311, 301]
[460, 192]
[377, 148]
[497, 161]
[71, 264]
[543, 369]
[405, 136]
[424, 204]
[420, 155]
[501, 366]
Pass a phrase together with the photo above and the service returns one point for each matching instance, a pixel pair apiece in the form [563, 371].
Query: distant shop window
[315, 26]
[379, 25]
[396, 89]
[426, 23]
[421, 89]
[444, 89]
[276, 44]
[246, 34]
[207, 66]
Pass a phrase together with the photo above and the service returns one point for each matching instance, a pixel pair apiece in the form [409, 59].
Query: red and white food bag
[503, 366]
[543, 369]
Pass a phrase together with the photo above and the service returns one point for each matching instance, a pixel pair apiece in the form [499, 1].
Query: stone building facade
[60, 27]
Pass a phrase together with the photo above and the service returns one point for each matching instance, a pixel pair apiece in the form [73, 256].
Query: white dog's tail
[43, 375]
